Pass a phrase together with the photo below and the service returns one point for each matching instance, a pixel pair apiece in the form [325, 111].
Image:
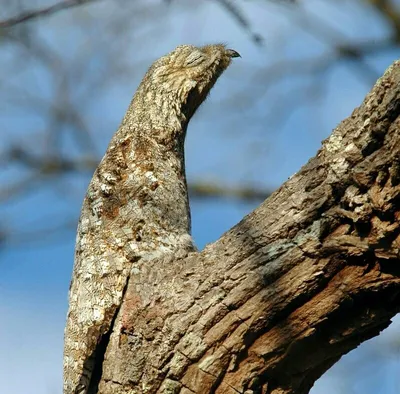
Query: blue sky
[233, 139]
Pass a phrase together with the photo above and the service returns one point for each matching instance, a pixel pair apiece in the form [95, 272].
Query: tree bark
[277, 300]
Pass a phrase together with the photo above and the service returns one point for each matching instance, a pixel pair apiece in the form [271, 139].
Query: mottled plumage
[136, 208]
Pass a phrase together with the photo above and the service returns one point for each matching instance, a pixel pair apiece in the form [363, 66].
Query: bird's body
[136, 208]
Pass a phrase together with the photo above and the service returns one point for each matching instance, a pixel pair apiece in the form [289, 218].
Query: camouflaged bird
[136, 208]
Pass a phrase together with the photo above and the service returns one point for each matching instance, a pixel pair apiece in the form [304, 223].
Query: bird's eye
[194, 59]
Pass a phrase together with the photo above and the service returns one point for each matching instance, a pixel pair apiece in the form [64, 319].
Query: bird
[136, 208]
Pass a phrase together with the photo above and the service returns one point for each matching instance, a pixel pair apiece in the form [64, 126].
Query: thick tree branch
[302, 280]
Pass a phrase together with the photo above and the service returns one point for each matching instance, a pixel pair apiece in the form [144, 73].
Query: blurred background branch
[74, 78]
[69, 70]
[47, 11]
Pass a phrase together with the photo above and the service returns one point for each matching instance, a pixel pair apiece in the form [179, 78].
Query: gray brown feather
[136, 208]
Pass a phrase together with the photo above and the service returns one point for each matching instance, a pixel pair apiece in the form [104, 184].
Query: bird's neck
[160, 114]
[154, 131]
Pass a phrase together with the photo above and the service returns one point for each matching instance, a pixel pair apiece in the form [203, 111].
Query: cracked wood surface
[279, 298]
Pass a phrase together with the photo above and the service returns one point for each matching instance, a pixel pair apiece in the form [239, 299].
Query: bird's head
[188, 73]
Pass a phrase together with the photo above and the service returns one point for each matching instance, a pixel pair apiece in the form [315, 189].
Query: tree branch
[302, 280]
[389, 10]
[34, 14]
[45, 166]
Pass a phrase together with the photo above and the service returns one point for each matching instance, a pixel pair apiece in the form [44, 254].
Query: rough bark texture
[136, 209]
[302, 280]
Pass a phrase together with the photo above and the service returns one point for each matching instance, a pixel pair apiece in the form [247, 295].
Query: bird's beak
[232, 53]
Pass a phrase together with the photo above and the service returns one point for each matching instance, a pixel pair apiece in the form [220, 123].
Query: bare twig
[238, 15]
[243, 193]
[390, 12]
[34, 14]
